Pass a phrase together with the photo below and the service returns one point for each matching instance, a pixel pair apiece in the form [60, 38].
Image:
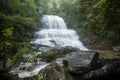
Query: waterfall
[54, 33]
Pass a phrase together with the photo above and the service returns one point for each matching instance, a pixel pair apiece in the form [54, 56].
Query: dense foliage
[18, 21]
[15, 32]
[108, 20]
[26, 8]
[99, 20]
[103, 21]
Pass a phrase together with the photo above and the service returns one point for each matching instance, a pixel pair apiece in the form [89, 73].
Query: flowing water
[34, 72]
[54, 33]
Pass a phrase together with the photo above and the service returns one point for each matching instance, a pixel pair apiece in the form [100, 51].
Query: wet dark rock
[37, 46]
[22, 68]
[107, 69]
[80, 62]
[116, 49]
[52, 72]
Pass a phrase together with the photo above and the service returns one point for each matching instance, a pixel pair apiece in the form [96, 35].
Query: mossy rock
[50, 55]
[51, 72]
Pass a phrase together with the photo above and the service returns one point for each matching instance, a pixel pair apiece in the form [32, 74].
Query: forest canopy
[97, 20]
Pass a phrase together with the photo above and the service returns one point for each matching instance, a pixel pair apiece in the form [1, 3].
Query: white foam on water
[55, 29]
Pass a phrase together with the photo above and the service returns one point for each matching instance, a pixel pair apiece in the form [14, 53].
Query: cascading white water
[55, 29]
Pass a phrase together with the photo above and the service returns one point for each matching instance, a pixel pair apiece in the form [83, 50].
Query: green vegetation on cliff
[15, 33]
[18, 21]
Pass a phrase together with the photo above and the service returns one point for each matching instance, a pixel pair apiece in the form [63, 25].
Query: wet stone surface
[82, 61]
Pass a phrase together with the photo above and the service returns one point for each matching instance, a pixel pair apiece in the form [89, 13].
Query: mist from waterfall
[54, 33]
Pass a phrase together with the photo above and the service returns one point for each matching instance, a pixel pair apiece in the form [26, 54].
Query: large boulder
[80, 62]
[107, 71]
[52, 72]
[49, 55]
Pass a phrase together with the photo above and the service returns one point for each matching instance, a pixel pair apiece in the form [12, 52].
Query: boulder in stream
[52, 72]
[80, 62]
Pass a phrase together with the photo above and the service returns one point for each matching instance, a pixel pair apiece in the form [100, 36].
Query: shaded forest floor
[108, 54]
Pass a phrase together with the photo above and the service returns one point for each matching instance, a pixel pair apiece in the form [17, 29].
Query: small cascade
[54, 33]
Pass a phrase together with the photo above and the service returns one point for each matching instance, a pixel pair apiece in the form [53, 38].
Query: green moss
[16, 59]
[15, 34]
[50, 54]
